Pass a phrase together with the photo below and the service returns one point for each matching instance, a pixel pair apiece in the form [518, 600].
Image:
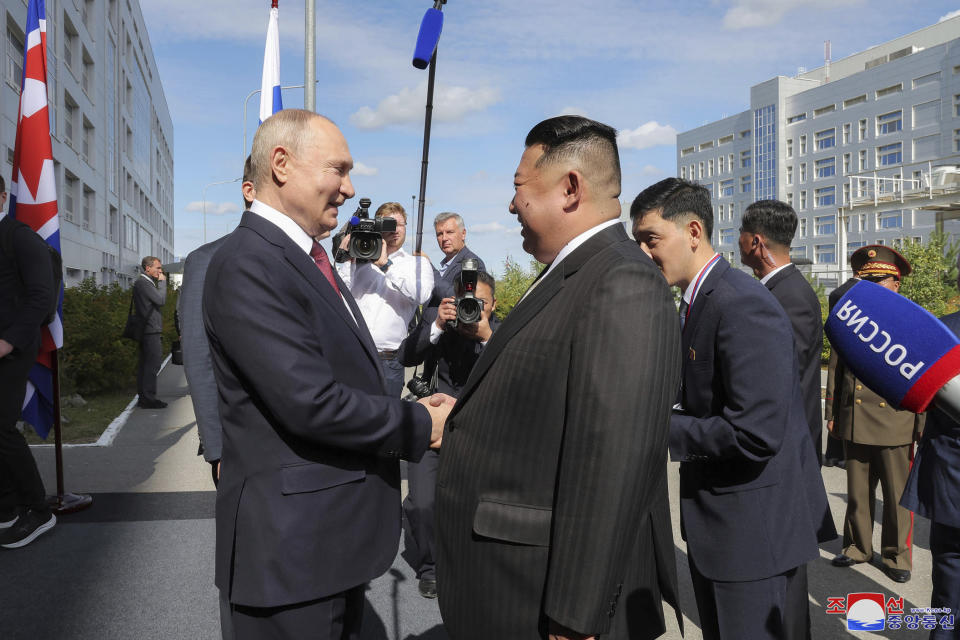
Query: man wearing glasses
[388, 293]
[877, 442]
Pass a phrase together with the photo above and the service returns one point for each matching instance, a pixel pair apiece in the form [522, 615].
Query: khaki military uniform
[877, 442]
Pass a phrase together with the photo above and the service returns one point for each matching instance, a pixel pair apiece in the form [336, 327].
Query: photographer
[388, 292]
[453, 346]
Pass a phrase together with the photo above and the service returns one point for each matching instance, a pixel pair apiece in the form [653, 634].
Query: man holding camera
[450, 345]
[388, 292]
[452, 240]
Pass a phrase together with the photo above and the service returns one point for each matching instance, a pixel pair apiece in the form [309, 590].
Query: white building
[853, 146]
[111, 130]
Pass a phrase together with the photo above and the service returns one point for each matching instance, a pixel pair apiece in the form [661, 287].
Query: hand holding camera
[363, 237]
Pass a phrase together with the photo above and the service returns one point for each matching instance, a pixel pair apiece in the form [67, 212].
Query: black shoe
[428, 588]
[151, 404]
[29, 526]
[9, 517]
[843, 560]
[897, 575]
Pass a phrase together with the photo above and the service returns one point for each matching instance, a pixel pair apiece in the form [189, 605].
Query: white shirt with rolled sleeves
[389, 299]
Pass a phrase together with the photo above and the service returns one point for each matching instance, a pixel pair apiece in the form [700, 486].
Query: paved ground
[139, 563]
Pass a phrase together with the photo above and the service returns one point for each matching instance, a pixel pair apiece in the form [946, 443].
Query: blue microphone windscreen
[354, 221]
[427, 39]
[893, 345]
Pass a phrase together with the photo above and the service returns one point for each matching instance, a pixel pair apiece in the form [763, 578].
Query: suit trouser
[866, 466]
[336, 617]
[772, 608]
[20, 482]
[392, 374]
[419, 507]
[148, 365]
[945, 548]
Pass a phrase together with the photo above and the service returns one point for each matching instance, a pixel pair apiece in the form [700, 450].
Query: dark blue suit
[752, 501]
[308, 504]
[933, 491]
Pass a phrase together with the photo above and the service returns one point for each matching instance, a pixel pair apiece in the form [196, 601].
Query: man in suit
[149, 296]
[552, 511]
[877, 443]
[453, 352]
[452, 240]
[308, 501]
[752, 502]
[833, 456]
[931, 492]
[766, 231]
[27, 288]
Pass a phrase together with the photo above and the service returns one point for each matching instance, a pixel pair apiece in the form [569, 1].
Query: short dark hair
[774, 219]
[482, 278]
[591, 144]
[675, 198]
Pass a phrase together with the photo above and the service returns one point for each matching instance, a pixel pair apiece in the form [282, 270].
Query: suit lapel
[701, 302]
[780, 276]
[535, 301]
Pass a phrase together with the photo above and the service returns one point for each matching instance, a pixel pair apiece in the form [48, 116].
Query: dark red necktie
[323, 263]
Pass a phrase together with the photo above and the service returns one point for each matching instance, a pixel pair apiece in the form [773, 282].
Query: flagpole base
[69, 503]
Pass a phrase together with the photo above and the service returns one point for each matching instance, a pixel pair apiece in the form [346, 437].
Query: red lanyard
[696, 284]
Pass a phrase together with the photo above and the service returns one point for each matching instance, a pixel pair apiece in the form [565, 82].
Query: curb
[110, 433]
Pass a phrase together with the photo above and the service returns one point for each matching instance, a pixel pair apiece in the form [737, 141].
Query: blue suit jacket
[309, 498]
[752, 501]
[933, 488]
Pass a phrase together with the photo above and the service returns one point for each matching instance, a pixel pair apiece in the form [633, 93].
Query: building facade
[856, 147]
[111, 131]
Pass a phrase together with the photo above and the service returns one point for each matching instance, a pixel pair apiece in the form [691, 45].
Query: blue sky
[649, 68]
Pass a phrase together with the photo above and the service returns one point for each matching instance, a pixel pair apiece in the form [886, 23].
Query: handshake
[439, 405]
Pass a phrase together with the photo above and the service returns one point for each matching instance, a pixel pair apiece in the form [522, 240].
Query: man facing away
[388, 292]
[552, 511]
[149, 296]
[26, 290]
[308, 502]
[766, 231]
[752, 503]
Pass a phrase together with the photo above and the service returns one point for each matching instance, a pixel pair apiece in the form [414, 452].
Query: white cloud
[361, 169]
[952, 14]
[450, 104]
[493, 227]
[649, 134]
[650, 171]
[747, 14]
[213, 208]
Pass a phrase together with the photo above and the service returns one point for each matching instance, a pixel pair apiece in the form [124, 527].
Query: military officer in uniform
[877, 442]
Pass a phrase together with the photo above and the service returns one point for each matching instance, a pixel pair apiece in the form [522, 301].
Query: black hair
[566, 137]
[774, 219]
[482, 278]
[675, 198]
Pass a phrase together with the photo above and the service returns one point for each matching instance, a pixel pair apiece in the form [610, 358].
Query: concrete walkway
[139, 563]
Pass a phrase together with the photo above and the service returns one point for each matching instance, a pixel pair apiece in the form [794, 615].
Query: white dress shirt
[690, 293]
[389, 299]
[765, 279]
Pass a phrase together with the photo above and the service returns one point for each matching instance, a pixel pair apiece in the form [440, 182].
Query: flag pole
[62, 502]
[310, 56]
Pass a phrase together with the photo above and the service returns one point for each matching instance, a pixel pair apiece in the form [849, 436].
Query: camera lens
[468, 310]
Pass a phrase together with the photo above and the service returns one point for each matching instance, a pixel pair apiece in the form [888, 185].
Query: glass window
[890, 122]
[789, 175]
[890, 220]
[745, 184]
[803, 172]
[744, 159]
[825, 225]
[826, 253]
[798, 253]
[765, 152]
[862, 160]
[846, 133]
[890, 154]
[853, 246]
[930, 78]
[846, 163]
[825, 197]
[803, 199]
[802, 227]
[14, 71]
[926, 114]
[726, 188]
[863, 130]
[789, 147]
[803, 145]
[728, 236]
[825, 139]
[825, 167]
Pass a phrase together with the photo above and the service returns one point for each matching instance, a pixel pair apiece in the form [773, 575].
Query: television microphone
[428, 37]
[897, 348]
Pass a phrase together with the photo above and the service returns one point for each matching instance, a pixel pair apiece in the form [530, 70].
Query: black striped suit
[552, 489]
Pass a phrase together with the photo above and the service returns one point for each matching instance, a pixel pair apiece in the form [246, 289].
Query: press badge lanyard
[696, 285]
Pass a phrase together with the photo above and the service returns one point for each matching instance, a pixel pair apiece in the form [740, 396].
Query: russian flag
[270, 101]
[33, 200]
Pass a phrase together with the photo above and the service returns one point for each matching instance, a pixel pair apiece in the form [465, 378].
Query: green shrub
[514, 283]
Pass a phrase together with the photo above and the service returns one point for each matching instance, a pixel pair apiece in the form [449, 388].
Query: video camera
[469, 307]
[366, 235]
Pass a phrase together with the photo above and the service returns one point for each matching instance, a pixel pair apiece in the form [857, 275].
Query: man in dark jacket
[149, 296]
[26, 289]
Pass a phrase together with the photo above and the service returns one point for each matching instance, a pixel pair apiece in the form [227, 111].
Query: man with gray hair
[452, 240]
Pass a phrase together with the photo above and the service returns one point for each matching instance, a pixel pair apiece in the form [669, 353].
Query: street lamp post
[250, 95]
[204, 196]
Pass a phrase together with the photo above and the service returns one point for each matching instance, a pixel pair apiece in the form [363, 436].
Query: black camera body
[420, 386]
[366, 235]
[469, 307]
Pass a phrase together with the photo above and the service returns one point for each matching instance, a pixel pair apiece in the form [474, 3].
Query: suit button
[883, 404]
[859, 387]
[859, 401]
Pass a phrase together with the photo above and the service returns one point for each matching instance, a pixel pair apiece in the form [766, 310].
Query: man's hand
[162, 276]
[446, 311]
[439, 405]
[5, 348]
[830, 426]
[382, 260]
[479, 331]
[557, 631]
